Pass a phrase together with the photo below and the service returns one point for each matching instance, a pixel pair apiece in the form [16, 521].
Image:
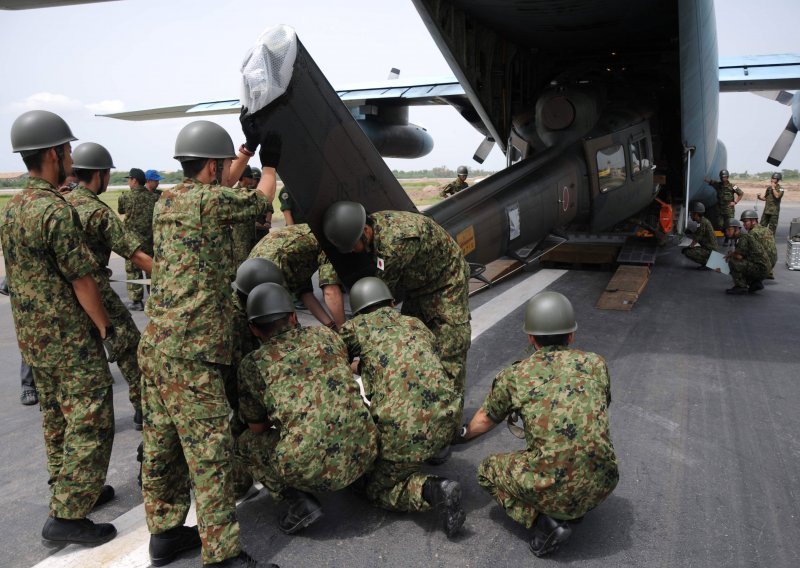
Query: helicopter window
[640, 157]
[611, 167]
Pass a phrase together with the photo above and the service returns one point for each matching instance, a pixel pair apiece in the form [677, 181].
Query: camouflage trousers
[240, 473]
[78, 426]
[518, 488]
[697, 254]
[187, 442]
[397, 486]
[745, 272]
[770, 220]
[723, 214]
[126, 341]
[135, 291]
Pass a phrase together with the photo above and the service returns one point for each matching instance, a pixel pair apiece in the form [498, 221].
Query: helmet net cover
[267, 67]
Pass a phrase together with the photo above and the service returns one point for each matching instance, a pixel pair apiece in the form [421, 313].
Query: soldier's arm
[479, 425]
[287, 215]
[738, 194]
[143, 261]
[89, 297]
[317, 310]
[237, 167]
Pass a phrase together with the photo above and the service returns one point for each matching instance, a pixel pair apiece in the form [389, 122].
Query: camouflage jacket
[772, 205]
[453, 187]
[190, 306]
[751, 250]
[767, 241]
[562, 396]
[725, 192]
[299, 382]
[104, 230]
[412, 398]
[416, 257]
[45, 249]
[298, 254]
[704, 235]
[137, 206]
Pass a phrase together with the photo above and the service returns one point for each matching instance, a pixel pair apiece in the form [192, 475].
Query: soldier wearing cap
[704, 241]
[188, 344]
[748, 261]
[60, 323]
[104, 233]
[457, 184]
[413, 403]
[152, 177]
[763, 235]
[562, 396]
[773, 196]
[137, 206]
[728, 195]
[309, 430]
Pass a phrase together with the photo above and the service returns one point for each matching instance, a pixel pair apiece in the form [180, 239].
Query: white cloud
[106, 107]
[49, 101]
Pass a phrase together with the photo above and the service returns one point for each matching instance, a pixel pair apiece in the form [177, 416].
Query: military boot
[445, 496]
[136, 306]
[58, 531]
[140, 459]
[304, 509]
[164, 547]
[244, 560]
[106, 495]
[756, 286]
[137, 419]
[440, 457]
[737, 291]
[548, 534]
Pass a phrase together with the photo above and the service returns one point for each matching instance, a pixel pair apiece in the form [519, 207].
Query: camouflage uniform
[137, 206]
[772, 208]
[44, 250]
[453, 187]
[323, 438]
[104, 233]
[298, 254]
[706, 240]
[569, 466]
[288, 204]
[184, 353]
[422, 265]
[767, 241]
[725, 192]
[412, 402]
[754, 265]
[244, 235]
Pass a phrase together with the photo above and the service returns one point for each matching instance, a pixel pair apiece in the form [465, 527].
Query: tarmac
[704, 420]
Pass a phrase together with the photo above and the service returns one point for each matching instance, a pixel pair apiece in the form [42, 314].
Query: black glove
[270, 152]
[109, 343]
[459, 436]
[250, 129]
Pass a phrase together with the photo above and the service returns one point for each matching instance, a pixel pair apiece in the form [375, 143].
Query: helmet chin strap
[62, 173]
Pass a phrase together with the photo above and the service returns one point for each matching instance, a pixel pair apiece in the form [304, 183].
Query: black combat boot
[737, 291]
[445, 496]
[164, 547]
[106, 495]
[137, 419]
[244, 560]
[440, 457]
[548, 534]
[755, 286]
[140, 459]
[304, 509]
[76, 531]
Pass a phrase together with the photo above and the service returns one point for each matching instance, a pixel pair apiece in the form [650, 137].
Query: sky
[79, 61]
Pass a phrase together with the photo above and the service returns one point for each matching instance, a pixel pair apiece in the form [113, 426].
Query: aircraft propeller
[786, 138]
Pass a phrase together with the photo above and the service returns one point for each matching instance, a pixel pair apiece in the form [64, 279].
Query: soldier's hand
[270, 153]
[460, 436]
[109, 343]
[252, 134]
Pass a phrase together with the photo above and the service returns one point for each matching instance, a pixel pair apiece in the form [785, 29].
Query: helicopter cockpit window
[611, 167]
[640, 157]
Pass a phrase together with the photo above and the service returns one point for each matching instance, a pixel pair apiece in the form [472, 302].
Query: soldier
[421, 264]
[60, 324]
[772, 208]
[748, 261]
[728, 195]
[413, 403]
[137, 206]
[309, 430]
[264, 224]
[297, 252]
[187, 345]
[704, 241]
[244, 233]
[562, 395]
[104, 232]
[764, 237]
[152, 178]
[456, 185]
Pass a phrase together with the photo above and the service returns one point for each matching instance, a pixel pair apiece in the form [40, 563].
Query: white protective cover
[267, 67]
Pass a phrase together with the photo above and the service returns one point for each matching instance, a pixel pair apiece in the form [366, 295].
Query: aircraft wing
[438, 91]
[759, 73]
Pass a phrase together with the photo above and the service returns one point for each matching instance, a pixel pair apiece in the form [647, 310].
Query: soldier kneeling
[562, 396]
[413, 402]
[308, 429]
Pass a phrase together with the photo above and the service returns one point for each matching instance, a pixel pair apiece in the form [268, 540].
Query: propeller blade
[483, 150]
[782, 145]
[783, 97]
[394, 73]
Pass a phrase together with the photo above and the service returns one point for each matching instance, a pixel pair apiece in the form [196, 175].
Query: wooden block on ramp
[495, 271]
[624, 288]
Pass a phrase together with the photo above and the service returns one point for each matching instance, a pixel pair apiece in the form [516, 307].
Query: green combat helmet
[256, 174]
[268, 302]
[203, 139]
[778, 176]
[723, 174]
[462, 170]
[368, 292]
[748, 214]
[343, 224]
[733, 223]
[697, 207]
[91, 156]
[549, 313]
[255, 271]
[39, 129]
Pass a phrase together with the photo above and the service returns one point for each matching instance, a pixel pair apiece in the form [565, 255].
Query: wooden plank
[624, 288]
[495, 271]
